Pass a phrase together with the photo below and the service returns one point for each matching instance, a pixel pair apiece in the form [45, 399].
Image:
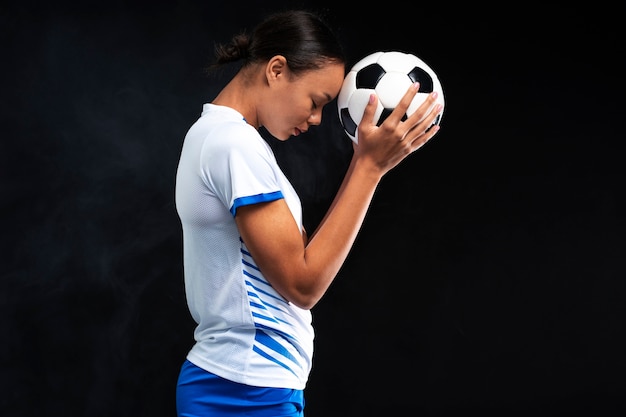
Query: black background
[489, 276]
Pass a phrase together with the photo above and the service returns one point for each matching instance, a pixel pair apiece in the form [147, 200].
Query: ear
[276, 68]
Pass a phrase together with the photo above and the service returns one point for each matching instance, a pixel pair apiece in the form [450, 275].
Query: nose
[315, 118]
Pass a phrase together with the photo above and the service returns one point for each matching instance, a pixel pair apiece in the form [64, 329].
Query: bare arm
[302, 272]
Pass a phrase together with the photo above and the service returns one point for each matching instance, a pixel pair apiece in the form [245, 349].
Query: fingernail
[416, 85]
[434, 94]
[372, 98]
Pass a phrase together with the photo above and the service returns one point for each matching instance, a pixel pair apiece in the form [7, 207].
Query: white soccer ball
[388, 74]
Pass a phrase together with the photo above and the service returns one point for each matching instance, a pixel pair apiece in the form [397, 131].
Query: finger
[425, 129]
[370, 110]
[430, 118]
[421, 140]
[400, 110]
[427, 108]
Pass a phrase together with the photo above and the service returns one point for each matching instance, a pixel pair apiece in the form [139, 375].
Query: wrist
[366, 170]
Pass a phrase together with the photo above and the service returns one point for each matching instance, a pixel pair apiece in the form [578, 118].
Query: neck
[238, 95]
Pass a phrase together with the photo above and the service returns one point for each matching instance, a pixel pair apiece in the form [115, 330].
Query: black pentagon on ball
[435, 122]
[418, 74]
[385, 113]
[368, 77]
[348, 123]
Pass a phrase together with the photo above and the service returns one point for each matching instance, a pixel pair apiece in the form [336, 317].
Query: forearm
[332, 241]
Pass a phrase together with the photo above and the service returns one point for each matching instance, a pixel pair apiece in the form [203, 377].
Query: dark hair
[302, 37]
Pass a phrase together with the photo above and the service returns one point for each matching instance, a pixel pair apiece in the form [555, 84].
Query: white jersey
[246, 332]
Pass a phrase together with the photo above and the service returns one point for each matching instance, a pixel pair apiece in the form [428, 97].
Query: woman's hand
[385, 146]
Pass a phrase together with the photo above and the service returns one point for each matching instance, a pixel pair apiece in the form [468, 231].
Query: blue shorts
[200, 393]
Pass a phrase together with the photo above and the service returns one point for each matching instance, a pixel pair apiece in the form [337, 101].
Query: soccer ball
[388, 74]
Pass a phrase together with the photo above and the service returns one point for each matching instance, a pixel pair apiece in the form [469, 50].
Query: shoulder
[221, 117]
[223, 127]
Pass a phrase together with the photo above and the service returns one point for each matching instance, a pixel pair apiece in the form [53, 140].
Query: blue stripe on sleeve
[253, 199]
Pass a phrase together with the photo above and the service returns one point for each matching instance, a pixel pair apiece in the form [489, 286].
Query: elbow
[304, 300]
[305, 303]
[301, 290]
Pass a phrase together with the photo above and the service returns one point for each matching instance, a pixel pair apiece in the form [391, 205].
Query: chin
[280, 136]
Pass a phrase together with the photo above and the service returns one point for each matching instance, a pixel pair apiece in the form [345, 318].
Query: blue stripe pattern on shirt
[265, 340]
[271, 317]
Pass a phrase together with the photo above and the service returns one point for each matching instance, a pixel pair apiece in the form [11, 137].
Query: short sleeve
[241, 170]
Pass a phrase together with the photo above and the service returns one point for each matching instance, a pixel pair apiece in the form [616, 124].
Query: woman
[251, 272]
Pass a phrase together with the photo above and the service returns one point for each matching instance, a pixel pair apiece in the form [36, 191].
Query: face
[294, 103]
